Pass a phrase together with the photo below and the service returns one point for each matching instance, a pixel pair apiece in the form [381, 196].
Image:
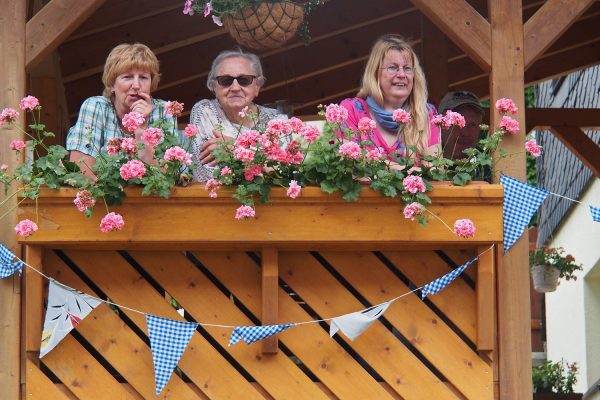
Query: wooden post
[12, 88]
[270, 293]
[486, 299]
[514, 314]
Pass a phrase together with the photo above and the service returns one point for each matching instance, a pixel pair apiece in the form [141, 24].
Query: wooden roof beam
[581, 145]
[53, 24]
[546, 118]
[540, 34]
[464, 25]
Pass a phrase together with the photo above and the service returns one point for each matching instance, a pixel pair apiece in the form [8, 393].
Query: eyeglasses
[242, 80]
[394, 69]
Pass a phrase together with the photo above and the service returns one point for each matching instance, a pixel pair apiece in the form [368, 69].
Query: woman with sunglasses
[393, 79]
[235, 78]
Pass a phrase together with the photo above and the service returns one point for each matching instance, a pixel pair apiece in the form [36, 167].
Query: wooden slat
[39, 387]
[310, 343]
[33, 299]
[270, 288]
[117, 343]
[461, 256]
[486, 304]
[400, 368]
[221, 380]
[52, 24]
[539, 34]
[544, 118]
[581, 145]
[447, 352]
[206, 303]
[457, 301]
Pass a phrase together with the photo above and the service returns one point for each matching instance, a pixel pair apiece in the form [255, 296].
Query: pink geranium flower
[26, 228]
[336, 113]
[453, 119]
[8, 115]
[129, 146]
[294, 189]
[243, 154]
[244, 212]
[374, 154]
[533, 148]
[187, 7]
[112, 222]
[509, 124]
[153, 136]
[191, 131]
[176, 153]
[310, 133]
[84, 200]
[225, 171]
[29, 103]
[366, 125]
[414, 184]
[212, 185]
[132, 121]
[207, 9]
[437, 120]
[506, 106]
[351, 150]
[295, 124]
[173, 108]
[133, 169]
[17, 145]
[247, 139]
[251, 172]
[464, 228]
[401, 116]
[114, 146]
[412, 210]
[3, 167]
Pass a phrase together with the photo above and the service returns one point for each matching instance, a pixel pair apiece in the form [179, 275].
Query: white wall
[573, 311]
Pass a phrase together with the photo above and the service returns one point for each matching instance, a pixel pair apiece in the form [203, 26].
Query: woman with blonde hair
[393, 79]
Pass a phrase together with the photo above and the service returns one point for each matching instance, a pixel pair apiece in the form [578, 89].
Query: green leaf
[461, 179]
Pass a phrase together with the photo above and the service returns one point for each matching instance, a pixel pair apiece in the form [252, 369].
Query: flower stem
[441, 220]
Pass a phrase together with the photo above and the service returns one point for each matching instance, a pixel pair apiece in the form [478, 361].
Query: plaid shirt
[97, 123]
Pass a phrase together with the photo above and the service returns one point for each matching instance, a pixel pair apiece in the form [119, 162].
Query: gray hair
[254, 62]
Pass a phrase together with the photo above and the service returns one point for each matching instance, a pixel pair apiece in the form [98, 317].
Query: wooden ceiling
[327, 70]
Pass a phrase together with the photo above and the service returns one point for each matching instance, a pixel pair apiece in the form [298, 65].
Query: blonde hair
[125, 57]
[416, 133]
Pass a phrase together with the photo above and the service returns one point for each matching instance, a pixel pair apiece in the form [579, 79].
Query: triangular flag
[353, 325]
[251, 334]
[168, 340]
[7, 266]
[67, 307]
[595, 211]
[521, 201]
[440, 283]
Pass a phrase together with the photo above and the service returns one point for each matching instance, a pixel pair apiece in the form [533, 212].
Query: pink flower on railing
[26, 228]
[295, 124]
[207, 9]
[437, 120]
[533, 148]
[225, 171]
[17, 145]
[29, 103]
[8, 115]
[336, 114]
[401, 116]
[84, 200]
[453, 119]
[114, 146]
[294, 189]
[3, 167]
[191, 131]
[310, 133]
[132, 121]
[212, 185]
[244, 212]
[351, 150]
[129, 146]
[153, 136]
[251, 172]
[173, 108]
[464, 228]
[112, 222]
[506, 106]
[187, 7]
[247, 139]
[509, 124]
[412, 210]
[243, 154]
[276, 126]
[133, 169]
[366, 125]
[176, 153]
[414, 184]
[374, 154]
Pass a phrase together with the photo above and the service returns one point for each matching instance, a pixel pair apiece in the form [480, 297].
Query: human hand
[206, 156]
[143, 106]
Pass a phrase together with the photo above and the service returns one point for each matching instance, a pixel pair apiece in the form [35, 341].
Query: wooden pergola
[495, 49]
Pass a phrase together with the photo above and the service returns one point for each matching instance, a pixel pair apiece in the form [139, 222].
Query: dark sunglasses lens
[242, 80]
[245, 80]
[225, 81]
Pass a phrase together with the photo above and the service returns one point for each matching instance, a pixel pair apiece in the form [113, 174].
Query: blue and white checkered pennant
[521, 201]
[168, 340]
[595, 211]
[440, 283]
[251, 334]
[7, 266]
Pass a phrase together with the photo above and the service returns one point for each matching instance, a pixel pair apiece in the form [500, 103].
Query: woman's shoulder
[96, 100]
[357, 103]
[268, 113]
[204, 106]
[431, 109]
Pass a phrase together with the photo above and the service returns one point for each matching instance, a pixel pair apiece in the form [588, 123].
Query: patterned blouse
[207, 115]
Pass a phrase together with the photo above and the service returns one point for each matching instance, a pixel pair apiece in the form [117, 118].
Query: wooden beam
[434, 49]
[581, 145]
[463, 24]
[545, 118]
[270, 294]
[514, 319]
[540, 33]
[52, 24]
[486, 299]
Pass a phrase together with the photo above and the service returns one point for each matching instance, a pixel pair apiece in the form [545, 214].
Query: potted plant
[257, 24]
[555, 380]
[548, 264]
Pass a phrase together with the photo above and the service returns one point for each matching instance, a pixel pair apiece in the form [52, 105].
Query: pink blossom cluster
[173, 108]
[132, 121]
[212, 185]
[309, 133]
[401, 116]
[84, 200]
[293, 155]
[29, 103]
[187, 7]
[176, 153]
[244, 212]
[244, 154]
[8, 115]
[191, 131]
[335, 113]
[450, 119]
[295, 124]
[25, 228]
[153, 136]
[3, 167]
[17, 145]
[226, 171]
[247, 139]
[129, 146]
[279, 126]
[134, 169]
[294, 189]
[505, 106]
[114, 146]
[251, 172]
[509, 124]
[533, 148]
[351, 150]
[412, 210]
[464, 228]
[414, 184]
[366, 125]
[111, 222]
[374, 154]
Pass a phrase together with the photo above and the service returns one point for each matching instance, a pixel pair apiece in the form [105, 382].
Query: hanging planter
[545, 278]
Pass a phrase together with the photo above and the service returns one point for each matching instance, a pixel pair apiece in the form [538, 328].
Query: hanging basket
[266, 25]
[545, 278]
